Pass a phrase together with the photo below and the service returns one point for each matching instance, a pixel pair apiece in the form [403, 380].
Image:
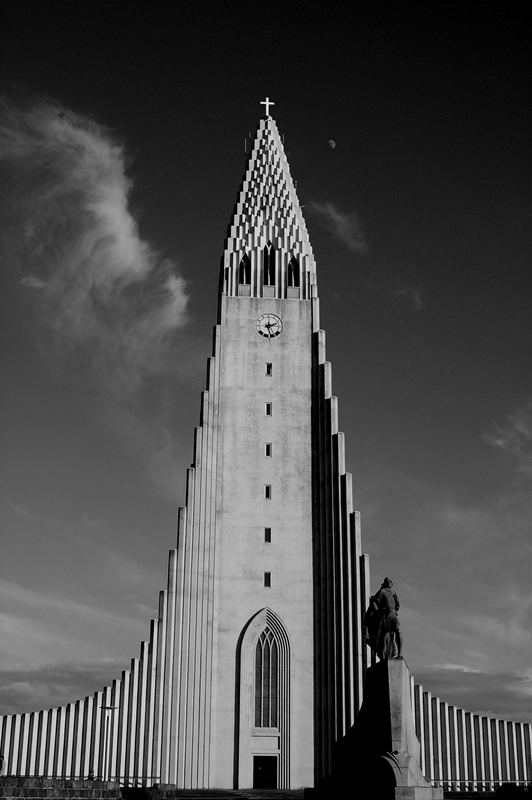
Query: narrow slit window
[269, 265]
[244, 270]
[267, 579]
[268, 535]
[268, 449]
[293, 272]
[268, 409]
[269, 369]
[268, 491]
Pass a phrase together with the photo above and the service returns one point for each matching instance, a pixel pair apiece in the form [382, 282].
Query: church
[254, 667]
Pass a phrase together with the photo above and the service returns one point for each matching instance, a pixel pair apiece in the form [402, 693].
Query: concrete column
[142, 708]
[33, 741]
[464, 774]
[69, 739]
[524, 767]
[60, 755]
[446, 750]
[89, 712]
[123, 724]
[472, 759]
[513, 751]
[499, 752]
[437, 726]
[43, 740]
[113, 728]
[159, 692]
[78, 744]
[428, 736]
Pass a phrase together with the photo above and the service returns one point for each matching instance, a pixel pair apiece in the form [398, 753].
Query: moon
[331, 143]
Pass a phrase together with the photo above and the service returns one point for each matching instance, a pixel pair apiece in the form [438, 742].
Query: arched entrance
[263, 678]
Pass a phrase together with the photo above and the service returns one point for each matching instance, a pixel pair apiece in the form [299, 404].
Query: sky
[122, 132]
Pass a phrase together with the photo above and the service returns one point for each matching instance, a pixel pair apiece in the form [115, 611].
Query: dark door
[265, 772]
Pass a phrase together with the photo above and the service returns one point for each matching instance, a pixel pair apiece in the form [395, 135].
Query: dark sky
[121, 150]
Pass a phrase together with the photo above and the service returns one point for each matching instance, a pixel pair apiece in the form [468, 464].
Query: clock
[269, 325]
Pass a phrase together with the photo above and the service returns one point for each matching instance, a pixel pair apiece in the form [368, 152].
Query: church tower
[254, 665]
[269, 579]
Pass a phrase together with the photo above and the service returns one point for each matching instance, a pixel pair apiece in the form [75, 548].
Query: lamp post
[106, 739]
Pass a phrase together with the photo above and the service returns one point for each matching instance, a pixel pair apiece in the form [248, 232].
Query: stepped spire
[267, 250]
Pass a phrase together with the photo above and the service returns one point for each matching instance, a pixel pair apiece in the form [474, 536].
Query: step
[20, 788]
[252, 794]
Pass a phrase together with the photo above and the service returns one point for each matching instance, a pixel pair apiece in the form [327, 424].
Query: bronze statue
[381, 623]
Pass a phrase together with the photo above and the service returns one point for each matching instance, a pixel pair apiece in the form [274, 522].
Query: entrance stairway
[57, 788]
[17, 788]
[212, 794]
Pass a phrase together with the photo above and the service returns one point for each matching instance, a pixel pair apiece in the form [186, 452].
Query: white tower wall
[243, 512]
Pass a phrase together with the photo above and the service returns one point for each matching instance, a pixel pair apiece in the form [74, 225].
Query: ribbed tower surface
[268, 218]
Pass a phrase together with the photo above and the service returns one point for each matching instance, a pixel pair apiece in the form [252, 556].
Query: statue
[381, 623]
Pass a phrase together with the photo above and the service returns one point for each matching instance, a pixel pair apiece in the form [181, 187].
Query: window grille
[266, 680]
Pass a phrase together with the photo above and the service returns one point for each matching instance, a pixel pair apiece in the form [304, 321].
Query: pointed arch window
[264, 689]
[269, 265]
[293, 272]
[266, 680]
[244, 270]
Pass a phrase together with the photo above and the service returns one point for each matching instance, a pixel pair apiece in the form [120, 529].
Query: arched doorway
[263, 678]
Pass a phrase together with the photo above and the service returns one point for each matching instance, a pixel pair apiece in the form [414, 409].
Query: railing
[132, 782]
[461, 785]
[118, 780]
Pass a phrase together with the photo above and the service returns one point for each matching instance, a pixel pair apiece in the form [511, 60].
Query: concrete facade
[243, 556]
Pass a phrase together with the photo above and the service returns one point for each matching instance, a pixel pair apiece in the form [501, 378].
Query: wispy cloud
[53, 684]
[345, 226]
[411, 293]
[32, 282]
[515, 438]
[68, 231]
[501, 694]
[58, 648]
[42, 627]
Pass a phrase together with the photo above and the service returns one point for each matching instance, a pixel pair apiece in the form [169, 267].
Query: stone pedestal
[380, 755]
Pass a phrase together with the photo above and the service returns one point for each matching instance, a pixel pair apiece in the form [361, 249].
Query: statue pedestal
[380, 755]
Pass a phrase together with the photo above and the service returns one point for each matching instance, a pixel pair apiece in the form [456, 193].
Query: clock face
[269, 325]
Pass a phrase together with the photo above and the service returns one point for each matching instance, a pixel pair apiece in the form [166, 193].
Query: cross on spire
[267, 103]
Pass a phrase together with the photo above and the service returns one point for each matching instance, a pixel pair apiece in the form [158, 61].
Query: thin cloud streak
[345, 226]
[499, 694]
[42, 627]
[51, 685]
[23, 597]
[515, 438]
[412, 293]
[104, 292]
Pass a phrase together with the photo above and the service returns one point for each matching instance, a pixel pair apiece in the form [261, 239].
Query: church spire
[267, 250]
